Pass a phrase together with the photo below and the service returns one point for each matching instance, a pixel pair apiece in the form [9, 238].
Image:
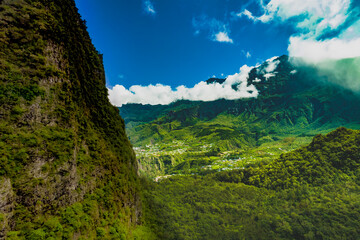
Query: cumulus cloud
[149, 7]
[328, 32]
[311, 16]
[326, 17]
[217, 30]
[162, 94]
[315, 20]
[317, 51]
[222, 37]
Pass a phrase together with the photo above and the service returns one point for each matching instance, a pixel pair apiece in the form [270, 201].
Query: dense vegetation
[310, 193]
[67, 169]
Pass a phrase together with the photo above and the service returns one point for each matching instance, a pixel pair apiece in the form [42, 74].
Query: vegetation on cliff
[67, 169]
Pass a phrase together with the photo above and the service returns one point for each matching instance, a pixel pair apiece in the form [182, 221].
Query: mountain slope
[293, 101]
[66, 162]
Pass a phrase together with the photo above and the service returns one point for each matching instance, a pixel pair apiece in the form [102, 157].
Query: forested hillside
[310, 193]
[67, 169]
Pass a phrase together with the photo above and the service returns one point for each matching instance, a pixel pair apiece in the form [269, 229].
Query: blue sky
[184, 42]
[162, 47]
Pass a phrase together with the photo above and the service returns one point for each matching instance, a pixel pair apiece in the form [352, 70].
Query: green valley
[252, 168]
[309, 193]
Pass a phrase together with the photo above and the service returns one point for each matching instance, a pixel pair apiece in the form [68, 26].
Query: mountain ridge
[293, 101]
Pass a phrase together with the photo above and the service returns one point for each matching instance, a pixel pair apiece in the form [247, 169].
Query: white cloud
[313, 16]
[264, 18]
[162, 94]
[314, 20]
[247, 13]
[269, 75]
[149, 7]
[272, 64]
[268, 71]
[152, 94]
[271, 59]
[222, 37]
[316, 51]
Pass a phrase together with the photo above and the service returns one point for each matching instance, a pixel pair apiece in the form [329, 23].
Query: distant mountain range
[292, 100]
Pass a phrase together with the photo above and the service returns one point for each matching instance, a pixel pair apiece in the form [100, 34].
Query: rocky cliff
[67, 168]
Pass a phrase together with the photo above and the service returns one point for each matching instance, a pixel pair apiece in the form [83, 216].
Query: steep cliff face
[63, 145]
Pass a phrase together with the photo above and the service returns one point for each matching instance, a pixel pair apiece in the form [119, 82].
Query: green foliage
[334, 156]
[37, 234]
[310, 193]
[62, 144]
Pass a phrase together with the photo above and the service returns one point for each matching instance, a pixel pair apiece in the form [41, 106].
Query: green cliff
[67, 169]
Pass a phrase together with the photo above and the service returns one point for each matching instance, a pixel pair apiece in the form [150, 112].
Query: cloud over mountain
[326, 29]
[315, 51]
[327, 32]
[234, 87]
